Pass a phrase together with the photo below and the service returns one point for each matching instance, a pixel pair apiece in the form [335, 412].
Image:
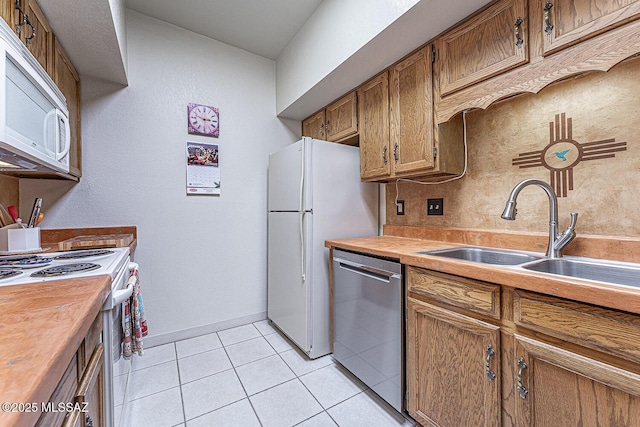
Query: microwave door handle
[67, 135]
[51, 115]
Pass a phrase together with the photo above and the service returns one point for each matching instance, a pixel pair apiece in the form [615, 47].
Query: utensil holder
[16, 238]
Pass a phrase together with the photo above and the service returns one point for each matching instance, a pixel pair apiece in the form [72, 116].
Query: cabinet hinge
[435, 152]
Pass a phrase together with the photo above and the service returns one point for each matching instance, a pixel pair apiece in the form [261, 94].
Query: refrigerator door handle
[301, 204]
[302, 260]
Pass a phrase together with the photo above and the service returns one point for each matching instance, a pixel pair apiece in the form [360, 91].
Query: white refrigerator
[315, 194]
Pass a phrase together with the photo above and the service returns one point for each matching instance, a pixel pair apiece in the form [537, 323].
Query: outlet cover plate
[435, 207]
[400, 207]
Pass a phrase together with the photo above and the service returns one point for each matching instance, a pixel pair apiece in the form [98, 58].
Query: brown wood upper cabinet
[489, 43]
[341, 118]
[336, 122]
[373, 110]
[411, 114]
[566, 22]
[66, 78]
[7, 8]
[314, 126]
[38, 36]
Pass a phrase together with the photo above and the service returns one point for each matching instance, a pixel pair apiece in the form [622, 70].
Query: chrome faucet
[556, 241]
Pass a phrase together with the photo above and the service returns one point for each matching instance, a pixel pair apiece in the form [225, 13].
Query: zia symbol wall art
[563, 154]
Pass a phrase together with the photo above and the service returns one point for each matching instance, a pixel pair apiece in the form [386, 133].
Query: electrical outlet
[435, 207]
[400, 207]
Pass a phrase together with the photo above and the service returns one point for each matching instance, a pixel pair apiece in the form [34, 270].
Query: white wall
[203, 258]
[335, 31]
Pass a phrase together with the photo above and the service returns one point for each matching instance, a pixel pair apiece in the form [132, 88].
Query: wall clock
[203, 120]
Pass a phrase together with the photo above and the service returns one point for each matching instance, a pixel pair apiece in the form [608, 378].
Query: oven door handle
[120, 296]
[133, 266]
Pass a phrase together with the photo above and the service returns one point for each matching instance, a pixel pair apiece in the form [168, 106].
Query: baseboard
[156, 340]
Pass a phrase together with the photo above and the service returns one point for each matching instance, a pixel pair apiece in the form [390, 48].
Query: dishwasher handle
[365, 270]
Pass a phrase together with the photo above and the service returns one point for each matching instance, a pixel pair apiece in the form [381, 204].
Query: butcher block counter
[401, 243]
[43, 324]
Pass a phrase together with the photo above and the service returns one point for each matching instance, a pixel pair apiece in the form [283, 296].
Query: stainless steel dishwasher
[368, 322]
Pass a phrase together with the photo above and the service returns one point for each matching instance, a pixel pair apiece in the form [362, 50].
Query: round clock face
[203, 120]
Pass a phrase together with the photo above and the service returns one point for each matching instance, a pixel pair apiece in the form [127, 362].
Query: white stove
[114, 262]
[23, 269]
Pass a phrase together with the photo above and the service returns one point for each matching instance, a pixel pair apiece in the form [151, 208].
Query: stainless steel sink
[485, 255]
[609, 272]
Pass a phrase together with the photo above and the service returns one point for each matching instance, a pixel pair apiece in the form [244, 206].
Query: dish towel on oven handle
[134, 322]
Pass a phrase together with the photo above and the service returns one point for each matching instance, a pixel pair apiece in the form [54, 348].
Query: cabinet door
[66, 78]
[7, 8]
[452, 377]
[566, 22]
[373, 111]
[314, 126]
[90, 390]
[341, 118]
[40, 44]
[490, 43]
[556, 387]
[411, 105]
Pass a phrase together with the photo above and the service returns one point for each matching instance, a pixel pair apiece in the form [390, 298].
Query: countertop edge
[405, 248]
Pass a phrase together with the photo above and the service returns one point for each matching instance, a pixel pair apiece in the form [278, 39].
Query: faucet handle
[574, 219]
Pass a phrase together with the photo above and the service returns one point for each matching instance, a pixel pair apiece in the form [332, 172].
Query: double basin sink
[618, 273]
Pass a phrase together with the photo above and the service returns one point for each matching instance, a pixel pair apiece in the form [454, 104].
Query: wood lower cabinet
[554, 362]
[81, 386]
[557, 387]
[373, 110]
[567, 22]
[67, 79]
[453, 360]
[491, 42]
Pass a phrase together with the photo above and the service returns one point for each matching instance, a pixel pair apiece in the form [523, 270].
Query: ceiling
[258, 26]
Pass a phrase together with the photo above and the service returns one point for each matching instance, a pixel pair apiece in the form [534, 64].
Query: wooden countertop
[404, 249]
[42, 326]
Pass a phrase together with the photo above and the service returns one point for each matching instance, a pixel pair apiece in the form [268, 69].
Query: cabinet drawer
[475, 296]
[609, 331]
[64, 393]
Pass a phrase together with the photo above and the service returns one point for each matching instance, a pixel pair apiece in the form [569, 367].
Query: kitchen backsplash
[9, 190]
[600, 180]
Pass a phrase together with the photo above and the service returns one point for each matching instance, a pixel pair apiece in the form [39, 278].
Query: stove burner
[16, 258]
[6, 273]
[25, 262]
[84, 254]
[61, 270]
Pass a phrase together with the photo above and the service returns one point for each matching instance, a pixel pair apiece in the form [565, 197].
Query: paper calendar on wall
[203, 168]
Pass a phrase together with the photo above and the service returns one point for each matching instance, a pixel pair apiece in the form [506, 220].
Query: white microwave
[34, 119]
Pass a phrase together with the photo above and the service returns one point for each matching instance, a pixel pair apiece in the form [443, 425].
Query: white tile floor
[247, 376]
